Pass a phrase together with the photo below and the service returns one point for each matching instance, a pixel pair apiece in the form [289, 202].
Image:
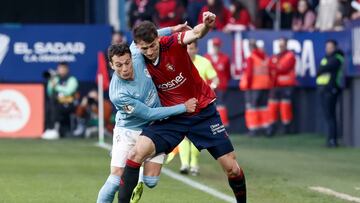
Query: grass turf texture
[279, 169]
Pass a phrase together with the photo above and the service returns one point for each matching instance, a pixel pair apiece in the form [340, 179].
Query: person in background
[168, 13]
[264, 20]
[256, 82]
[240, 17]
[193, 9]
[189, 154]
[87, 117]
[328, 81]
[222, 13]
[221, 63]
[282, 67]
[140, 10]
[327, 15]
[356, 9]
[118, 37]
[61, 90]
[304, 19]
[288, 8]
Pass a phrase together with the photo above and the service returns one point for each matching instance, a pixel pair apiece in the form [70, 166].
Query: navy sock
[129, 180]
[238, 185]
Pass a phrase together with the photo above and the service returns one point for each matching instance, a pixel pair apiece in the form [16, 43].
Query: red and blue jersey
[176, 77]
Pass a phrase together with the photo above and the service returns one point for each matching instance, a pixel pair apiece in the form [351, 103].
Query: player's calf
[151, 181]
[235, 174]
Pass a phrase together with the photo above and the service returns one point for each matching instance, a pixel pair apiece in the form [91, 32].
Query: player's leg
[184, 153]
[144, 148]
[160, 137]
[152, 170]
[235, 174]
[286, 109]
[207, 131]
[123, 140]
[111, 186]
[194, 163]
[151, 176]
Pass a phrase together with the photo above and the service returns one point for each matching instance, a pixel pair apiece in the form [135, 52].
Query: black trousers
[57, 112]
[329, 99]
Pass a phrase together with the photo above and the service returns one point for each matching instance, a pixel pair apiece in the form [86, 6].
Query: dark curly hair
[118, 50]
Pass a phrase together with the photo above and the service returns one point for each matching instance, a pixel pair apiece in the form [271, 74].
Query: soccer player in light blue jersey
[134, 95]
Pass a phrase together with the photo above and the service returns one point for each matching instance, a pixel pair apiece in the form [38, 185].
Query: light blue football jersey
[136, 101]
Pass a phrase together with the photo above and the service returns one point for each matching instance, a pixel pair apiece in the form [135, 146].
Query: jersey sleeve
[164, 31]
[136, 108]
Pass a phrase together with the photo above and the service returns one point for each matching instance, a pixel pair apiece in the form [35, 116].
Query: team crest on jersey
[147, 73]
[170, 67]
[128, 109]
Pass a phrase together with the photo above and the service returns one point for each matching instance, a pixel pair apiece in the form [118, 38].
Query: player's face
[329, 48]
[192, 50]
[123, 67]
[150, 50]
[282, 45]
[62, 70]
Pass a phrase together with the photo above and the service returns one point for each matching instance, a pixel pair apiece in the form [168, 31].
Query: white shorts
[123, 141]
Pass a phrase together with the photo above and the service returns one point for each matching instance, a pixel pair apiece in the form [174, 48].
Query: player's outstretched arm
[163, 32]
[200, 30]
[138, 109]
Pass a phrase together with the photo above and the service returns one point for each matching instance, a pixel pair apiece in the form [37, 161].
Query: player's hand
[181, 27]
[191, 105]
[209, 19]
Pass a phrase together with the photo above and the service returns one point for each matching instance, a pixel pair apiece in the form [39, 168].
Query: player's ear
[111, 65]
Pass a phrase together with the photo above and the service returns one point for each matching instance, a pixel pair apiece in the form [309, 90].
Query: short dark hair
[118, 50]
[252, 44]
[334, 42]
[145, 31]
[63, 63]
[285, 39]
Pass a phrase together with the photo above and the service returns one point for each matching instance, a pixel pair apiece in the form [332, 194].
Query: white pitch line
[198, 186]
[334, 193]
[187, 181]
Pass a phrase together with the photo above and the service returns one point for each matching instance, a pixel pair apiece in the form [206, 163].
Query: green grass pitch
[277, 170]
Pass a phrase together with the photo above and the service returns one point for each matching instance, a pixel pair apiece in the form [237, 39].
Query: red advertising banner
[21, 110]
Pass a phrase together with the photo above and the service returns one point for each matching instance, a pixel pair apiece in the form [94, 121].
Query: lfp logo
[4, 46]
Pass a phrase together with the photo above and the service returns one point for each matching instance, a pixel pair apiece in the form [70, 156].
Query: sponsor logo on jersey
[4, 46]
[170, 67]
[147, 74]
[172, 84]
[128, 109]
[14, 111]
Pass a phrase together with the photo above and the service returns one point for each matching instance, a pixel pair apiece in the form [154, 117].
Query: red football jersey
[222, 67]
[176, 77]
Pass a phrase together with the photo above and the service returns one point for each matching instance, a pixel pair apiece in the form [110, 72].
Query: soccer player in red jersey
[177, 80]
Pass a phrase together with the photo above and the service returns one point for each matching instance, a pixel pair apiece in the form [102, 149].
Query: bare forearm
[201, 30]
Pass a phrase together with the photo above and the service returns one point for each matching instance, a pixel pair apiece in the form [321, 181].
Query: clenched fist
[191, 105]
[209, 19]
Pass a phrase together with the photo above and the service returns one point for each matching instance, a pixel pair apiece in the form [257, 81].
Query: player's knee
[116, 171]
[233, 171]
[151, 181]
[143, 149]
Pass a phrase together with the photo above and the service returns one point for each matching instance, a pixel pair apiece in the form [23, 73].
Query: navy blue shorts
[205, 130]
